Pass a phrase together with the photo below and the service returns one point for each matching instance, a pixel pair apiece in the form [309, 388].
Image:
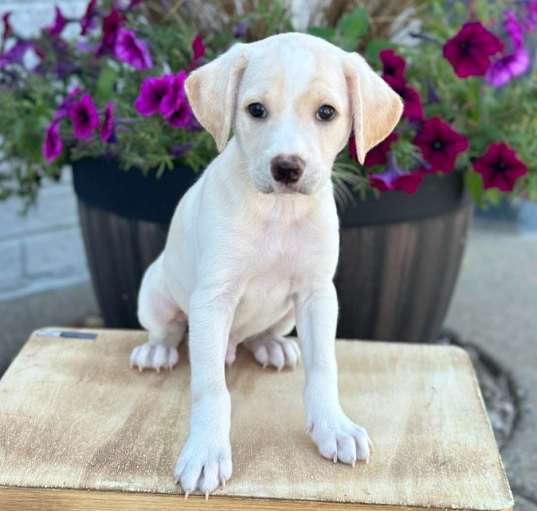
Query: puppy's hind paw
[154, 356]
[275, 351]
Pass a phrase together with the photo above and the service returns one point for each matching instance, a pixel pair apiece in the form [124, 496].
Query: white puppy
[253, 245]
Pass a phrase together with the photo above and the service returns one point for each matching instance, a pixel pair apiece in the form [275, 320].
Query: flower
[499, 167]
[411, 99]
[198, 50]
[182, 117]
[15, 55]
[59, 23]
[393, 178]
[84, 117]
[175, 96]
[87, 20]
[52, 143]
[532, 15]
[378, 154]
[132, 51]
[111, 26]
[107, 125]
[8, 30]
[239, 30]
[392, 65]
[133, 4]
[440, 144]
[512, 29]
[503, 70]
[469, 51]
[152, 91]
[63, 110]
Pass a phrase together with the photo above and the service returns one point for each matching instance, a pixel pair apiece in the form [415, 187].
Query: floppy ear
[212, 92]
[376, 108]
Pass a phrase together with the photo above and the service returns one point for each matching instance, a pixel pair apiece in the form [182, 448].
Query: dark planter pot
[399, 261]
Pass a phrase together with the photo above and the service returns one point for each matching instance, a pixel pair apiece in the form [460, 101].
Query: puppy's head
[292, 101]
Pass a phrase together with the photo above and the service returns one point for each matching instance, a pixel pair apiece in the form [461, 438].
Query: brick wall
[42, 250]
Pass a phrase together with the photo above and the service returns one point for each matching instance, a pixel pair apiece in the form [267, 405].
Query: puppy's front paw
[338, 438]
[154, 356]
[204, 464]
[275, 351]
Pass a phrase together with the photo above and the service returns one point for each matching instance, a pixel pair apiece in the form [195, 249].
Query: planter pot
[399, 260]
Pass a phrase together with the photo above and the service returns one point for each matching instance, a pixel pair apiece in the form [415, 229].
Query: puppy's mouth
[289, 188]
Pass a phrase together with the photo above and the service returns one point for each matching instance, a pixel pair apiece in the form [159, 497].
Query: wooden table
[79, 430]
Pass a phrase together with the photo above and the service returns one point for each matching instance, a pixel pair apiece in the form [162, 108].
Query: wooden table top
[74, 416]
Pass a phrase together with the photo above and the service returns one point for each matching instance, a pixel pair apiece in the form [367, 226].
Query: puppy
[253, 246]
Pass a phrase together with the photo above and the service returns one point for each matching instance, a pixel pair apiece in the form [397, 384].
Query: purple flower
[111, 27]
[393, 65]
[532, 14]
[15, 55]
[469, 50]
[239, 30]
[175, 96]
[503, 70]
[198, 50]
[63, 110]
[52, 143]
[8, 30]
[133, 4]
[59, 23]
[86, 23]
[132, 51]
[180, 149]
[107, 126]
[83, 117]
[499, 167]
[152, 92]
[512, 29]
[393, 178]
[411, 99]
[182, 117]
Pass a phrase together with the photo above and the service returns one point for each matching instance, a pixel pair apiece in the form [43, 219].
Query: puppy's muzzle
[287, 169]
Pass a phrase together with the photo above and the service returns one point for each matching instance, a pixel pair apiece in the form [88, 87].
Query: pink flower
[499, 167]
[87, 20]
[111, 26]
[175, 96]
[411, 99]
[84, 117]
[107, 126]
[503, 70]
[132, 51]
[152, 92]
[393, 178]
[59, 23]
[440, 144]
[392, 65]
[469, 50]
[52, 143]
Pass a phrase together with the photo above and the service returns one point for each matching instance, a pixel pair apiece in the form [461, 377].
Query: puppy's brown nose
[287, 169]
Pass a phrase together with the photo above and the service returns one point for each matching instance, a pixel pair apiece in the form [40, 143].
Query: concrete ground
[494, 308]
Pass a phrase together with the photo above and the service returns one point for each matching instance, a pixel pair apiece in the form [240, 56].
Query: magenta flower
[182, 117]
[440, 144]
[107, 126]
[175, 96]
[86, 23]
[198, 50]
[503, 70]
[59, 24]
[132, 51]
[393, 178]
[377, 155]
[111, 25]
[84, 117]
[411, 99]
[392, 65]
[63, 110]
[52, 143]
[532, 14]
[469, 51]
[512, 29]
[15, 55]
[152, 92]
[499, 167]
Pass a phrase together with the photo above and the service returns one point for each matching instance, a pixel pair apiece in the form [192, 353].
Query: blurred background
[432, 251]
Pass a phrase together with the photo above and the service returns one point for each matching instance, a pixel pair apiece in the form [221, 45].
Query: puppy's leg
[162, 318]
[271, 348]
[336, 436]
[205, 460]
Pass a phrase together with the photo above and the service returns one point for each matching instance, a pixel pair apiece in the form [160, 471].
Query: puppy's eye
[326, 113]
[257, 110]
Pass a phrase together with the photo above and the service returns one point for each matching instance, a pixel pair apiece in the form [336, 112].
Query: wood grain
[74, 417]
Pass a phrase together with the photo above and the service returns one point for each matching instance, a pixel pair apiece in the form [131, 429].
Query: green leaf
[375, 46]
[105, 84]
[474, 185]
[327, 33]
[352, 26]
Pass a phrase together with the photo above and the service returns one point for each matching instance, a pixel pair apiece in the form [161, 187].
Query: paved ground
[495, 308]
